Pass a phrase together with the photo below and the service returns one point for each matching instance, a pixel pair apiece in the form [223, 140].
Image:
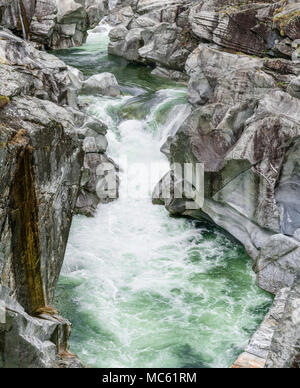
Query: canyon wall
[54, 24]
[49, 146]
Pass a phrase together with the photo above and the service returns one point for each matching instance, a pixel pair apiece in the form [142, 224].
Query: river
[141, 288]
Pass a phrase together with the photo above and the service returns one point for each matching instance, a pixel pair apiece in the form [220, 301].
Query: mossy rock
[4, 100]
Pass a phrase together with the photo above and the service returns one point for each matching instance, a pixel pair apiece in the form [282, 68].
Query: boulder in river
[105, 84]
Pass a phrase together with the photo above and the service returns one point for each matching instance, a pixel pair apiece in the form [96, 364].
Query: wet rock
[170, 74]
[240, 133]
[37, 73]
[42, 136]
[99, 183]
[158, 33]
[248, 361]
[284, 350]
[55, 24]
[256, 352]
[125, 44]
[287, 19]
[31, 342]
[104, 83]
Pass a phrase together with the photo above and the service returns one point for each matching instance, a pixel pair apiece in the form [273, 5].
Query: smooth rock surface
[104, 84]
[30, 342]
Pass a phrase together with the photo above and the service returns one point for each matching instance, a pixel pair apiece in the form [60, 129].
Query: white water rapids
[143, 289]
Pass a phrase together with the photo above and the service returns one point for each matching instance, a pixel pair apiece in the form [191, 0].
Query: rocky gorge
[241, 62]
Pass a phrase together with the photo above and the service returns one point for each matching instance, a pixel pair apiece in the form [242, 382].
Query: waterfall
[21, 20]
[141, 288]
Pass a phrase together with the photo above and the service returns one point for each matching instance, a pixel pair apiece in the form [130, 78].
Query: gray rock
[95, 144]
[247, 27]
[100, 182]
[158, 33]
[104, 83]
[29, 342]
[241, 135]
[256, 352]
[35, 72]
[224, 77]
[46, 159]
[278, 263]
[125, 43]
[297, 235]
[260, 343]
[284, 350]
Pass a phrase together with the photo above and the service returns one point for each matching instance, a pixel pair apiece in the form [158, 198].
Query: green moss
[25, 235]
[283, 19]
[4, 100]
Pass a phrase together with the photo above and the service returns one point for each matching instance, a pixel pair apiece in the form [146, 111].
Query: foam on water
[143, 289]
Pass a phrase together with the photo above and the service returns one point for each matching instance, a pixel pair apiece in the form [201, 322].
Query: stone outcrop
[55, 24]
[100, 181]
[244, 127]
[163, 34]
[285, 346]
[105, 84]
[260, 28]
[44, 137]
[257, 351]
[153, 32]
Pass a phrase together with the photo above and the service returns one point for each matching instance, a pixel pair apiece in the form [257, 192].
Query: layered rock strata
[163, 34]
[53, 24]
[44, 132]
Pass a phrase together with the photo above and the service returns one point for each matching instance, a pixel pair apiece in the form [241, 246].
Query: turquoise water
[141, 288]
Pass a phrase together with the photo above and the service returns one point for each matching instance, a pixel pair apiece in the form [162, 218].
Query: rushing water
[143, 289]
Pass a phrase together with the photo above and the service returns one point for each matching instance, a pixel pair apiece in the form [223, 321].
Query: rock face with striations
[43, 133]
[154, 32]
[55, 24]
[285, 347]
[163, 34]
[244, 128]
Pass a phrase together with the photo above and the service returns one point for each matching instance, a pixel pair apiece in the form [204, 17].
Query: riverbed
[141, 288]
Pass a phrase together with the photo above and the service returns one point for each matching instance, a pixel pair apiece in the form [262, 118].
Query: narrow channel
[141, 288]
